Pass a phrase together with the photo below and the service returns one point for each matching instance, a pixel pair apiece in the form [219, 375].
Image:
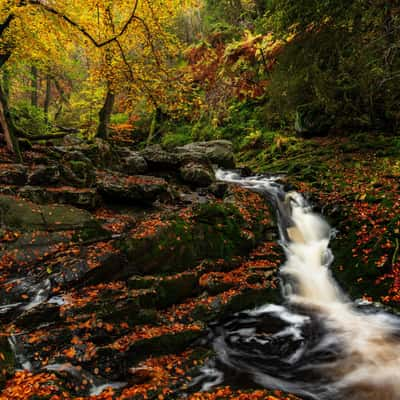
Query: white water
[369, 362]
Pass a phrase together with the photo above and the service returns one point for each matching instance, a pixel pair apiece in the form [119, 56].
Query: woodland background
[177, 71]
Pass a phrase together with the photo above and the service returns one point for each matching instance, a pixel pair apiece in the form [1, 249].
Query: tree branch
[81, 28]
[6, 23]
[149, 39]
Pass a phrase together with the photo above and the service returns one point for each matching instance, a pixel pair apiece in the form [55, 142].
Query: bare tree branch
[80, 28]
[6, 23]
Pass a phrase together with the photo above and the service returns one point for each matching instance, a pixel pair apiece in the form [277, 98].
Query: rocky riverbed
[114, 261]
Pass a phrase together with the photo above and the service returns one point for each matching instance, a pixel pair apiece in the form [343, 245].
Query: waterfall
[319, 344]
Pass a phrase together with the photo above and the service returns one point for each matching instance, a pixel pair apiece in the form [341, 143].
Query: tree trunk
[6, 83]
[157, 118]
[261, 6]
[34, 86]
[8, 126]
[47, 99]
[6, 123]
[105, 115]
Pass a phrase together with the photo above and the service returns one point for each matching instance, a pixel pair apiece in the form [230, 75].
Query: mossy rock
[171, 343]
[28, 216]
[214, 232]
[159, 159]
[131, 307]
[197, 174]
[219, 152]
[172, 290]
[168, 290]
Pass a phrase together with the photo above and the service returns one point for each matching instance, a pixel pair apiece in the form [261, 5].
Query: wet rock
[142, 375]
[78, 381]
[242, 300]
[197, 174]
[68, 271]
[133, 189]
[132, 163]
[13, 174]
[30, 247]
[219, 152]
[44, 175]
[43, 313]
[160, 159]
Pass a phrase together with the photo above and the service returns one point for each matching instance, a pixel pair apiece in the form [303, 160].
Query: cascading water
[319, 345]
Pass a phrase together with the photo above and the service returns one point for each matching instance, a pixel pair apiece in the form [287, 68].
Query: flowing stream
[318, 344]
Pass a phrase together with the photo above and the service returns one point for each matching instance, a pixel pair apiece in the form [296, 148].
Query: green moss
[214, 232]
[166, 344]
[91, 232]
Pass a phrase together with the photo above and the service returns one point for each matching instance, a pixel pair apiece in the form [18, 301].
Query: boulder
[132, 163]
[44, 175]
[197, 174]
[77, 169]
[135, 189]
[13, 174]
[160, 159]
[219, 152]
[100, 153]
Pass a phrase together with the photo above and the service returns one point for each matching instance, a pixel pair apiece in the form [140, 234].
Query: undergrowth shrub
[30, 119]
